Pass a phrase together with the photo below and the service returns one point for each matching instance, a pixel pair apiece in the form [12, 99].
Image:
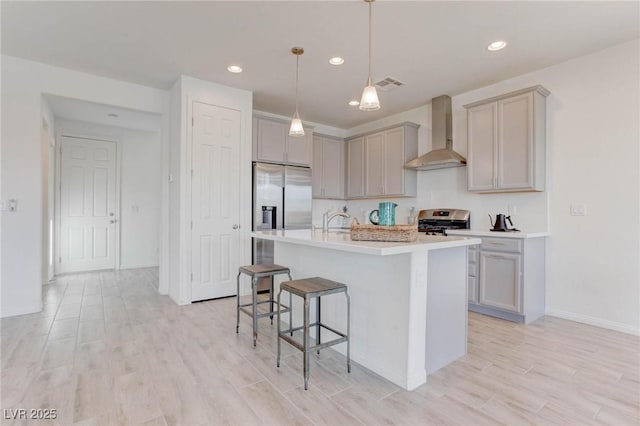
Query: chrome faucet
[328, 216]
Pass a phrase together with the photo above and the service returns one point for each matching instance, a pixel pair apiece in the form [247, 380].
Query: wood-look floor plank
[108, 349]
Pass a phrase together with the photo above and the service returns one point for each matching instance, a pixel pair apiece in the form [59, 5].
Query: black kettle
[500, 224]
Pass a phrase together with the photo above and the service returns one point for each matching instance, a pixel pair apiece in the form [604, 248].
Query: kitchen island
[408, 300]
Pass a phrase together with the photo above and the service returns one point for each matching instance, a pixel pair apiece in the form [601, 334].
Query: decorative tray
[395, 233]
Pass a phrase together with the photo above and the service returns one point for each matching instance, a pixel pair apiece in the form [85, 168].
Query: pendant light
[369, 101]
[296, 128]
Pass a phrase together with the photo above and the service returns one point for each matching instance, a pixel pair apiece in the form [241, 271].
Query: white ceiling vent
[388, 84]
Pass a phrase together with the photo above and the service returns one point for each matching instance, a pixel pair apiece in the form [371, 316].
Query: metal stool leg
[254, 295]
[306, 342]
[348, 332]
[271, 299]
[318, 322]
[291, 314]
[278, 321]
[238, 302]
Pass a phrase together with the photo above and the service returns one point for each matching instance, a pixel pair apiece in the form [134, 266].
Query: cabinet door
[316, 167]
[374, 164]
[333, 168]
[355, 168]
[515, 142]
[481, 147]
[394, 160]
[299, 149]
[500, 278]
[271, 140]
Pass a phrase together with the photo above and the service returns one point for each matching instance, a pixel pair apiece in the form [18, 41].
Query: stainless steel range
[437, 221]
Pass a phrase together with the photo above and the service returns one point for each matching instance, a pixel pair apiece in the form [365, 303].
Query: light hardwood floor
[107, 349]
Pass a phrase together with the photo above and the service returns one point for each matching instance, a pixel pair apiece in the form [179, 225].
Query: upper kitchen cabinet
[328, 167]
[382, 161]
[273, 144]
[506, 142]
[355, 167]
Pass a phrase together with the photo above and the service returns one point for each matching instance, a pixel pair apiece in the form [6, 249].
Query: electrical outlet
[578, 210]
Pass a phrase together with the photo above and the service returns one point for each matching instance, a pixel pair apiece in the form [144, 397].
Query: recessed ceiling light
[354, 103]
[497, 45]
[336, 60]
[234, 69]
[112, 115]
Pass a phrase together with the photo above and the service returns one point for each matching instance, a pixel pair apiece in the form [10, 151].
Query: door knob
[112, 221]
[235, 226]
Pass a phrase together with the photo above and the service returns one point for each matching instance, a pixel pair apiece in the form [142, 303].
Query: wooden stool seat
[264, 270]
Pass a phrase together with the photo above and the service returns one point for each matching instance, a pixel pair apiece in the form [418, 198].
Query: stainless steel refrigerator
[281, 200]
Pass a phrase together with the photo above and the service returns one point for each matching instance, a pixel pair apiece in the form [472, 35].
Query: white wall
[593, 132]
[23, 83]
[184, 92]
[139, 154]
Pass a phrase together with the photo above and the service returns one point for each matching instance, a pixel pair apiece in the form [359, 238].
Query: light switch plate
[578, 210]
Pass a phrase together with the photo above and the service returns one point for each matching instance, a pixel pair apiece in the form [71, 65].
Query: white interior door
[215, 201]
[87, 205]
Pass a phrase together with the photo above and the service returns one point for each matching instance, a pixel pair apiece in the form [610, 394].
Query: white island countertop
[342, 241]
[488, 233]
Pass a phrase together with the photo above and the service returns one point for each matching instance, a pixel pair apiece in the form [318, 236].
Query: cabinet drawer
[502, 244]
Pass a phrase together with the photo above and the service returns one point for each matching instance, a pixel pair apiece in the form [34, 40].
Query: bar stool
[309, 288]
[256, 272]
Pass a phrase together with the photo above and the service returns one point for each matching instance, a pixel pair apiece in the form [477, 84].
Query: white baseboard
[138, 266]
[21, 310]
[598, 322]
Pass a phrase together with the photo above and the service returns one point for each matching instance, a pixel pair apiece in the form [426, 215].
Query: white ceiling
[434, 47]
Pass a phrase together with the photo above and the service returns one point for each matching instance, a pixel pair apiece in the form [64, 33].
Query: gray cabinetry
[500, 275]
[328, 167]
[506, 278]
[272, 143]
[375, 163]
[473, 275]
[355, 167]
[506, 142]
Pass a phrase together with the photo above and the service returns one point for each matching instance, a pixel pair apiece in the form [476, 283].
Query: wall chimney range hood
[442, 156]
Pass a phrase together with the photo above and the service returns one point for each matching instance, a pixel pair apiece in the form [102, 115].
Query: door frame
[58, 184]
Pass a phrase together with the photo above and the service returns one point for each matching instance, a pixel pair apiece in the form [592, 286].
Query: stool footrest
[243, 308]
[291, 330]
[314, 347]
[284, 334]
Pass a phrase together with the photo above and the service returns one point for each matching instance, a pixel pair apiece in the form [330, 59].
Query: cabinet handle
[496, 244]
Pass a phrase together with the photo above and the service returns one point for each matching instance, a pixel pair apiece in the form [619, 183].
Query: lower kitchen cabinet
[506, 277]
[500, 281]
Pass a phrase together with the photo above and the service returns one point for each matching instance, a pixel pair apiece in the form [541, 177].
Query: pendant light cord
[297, 64]
[369, 83]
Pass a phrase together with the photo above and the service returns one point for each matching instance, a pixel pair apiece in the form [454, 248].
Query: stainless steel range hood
[442, 155]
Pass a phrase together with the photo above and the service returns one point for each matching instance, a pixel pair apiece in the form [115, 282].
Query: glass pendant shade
[296, 128]
[369, 101]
